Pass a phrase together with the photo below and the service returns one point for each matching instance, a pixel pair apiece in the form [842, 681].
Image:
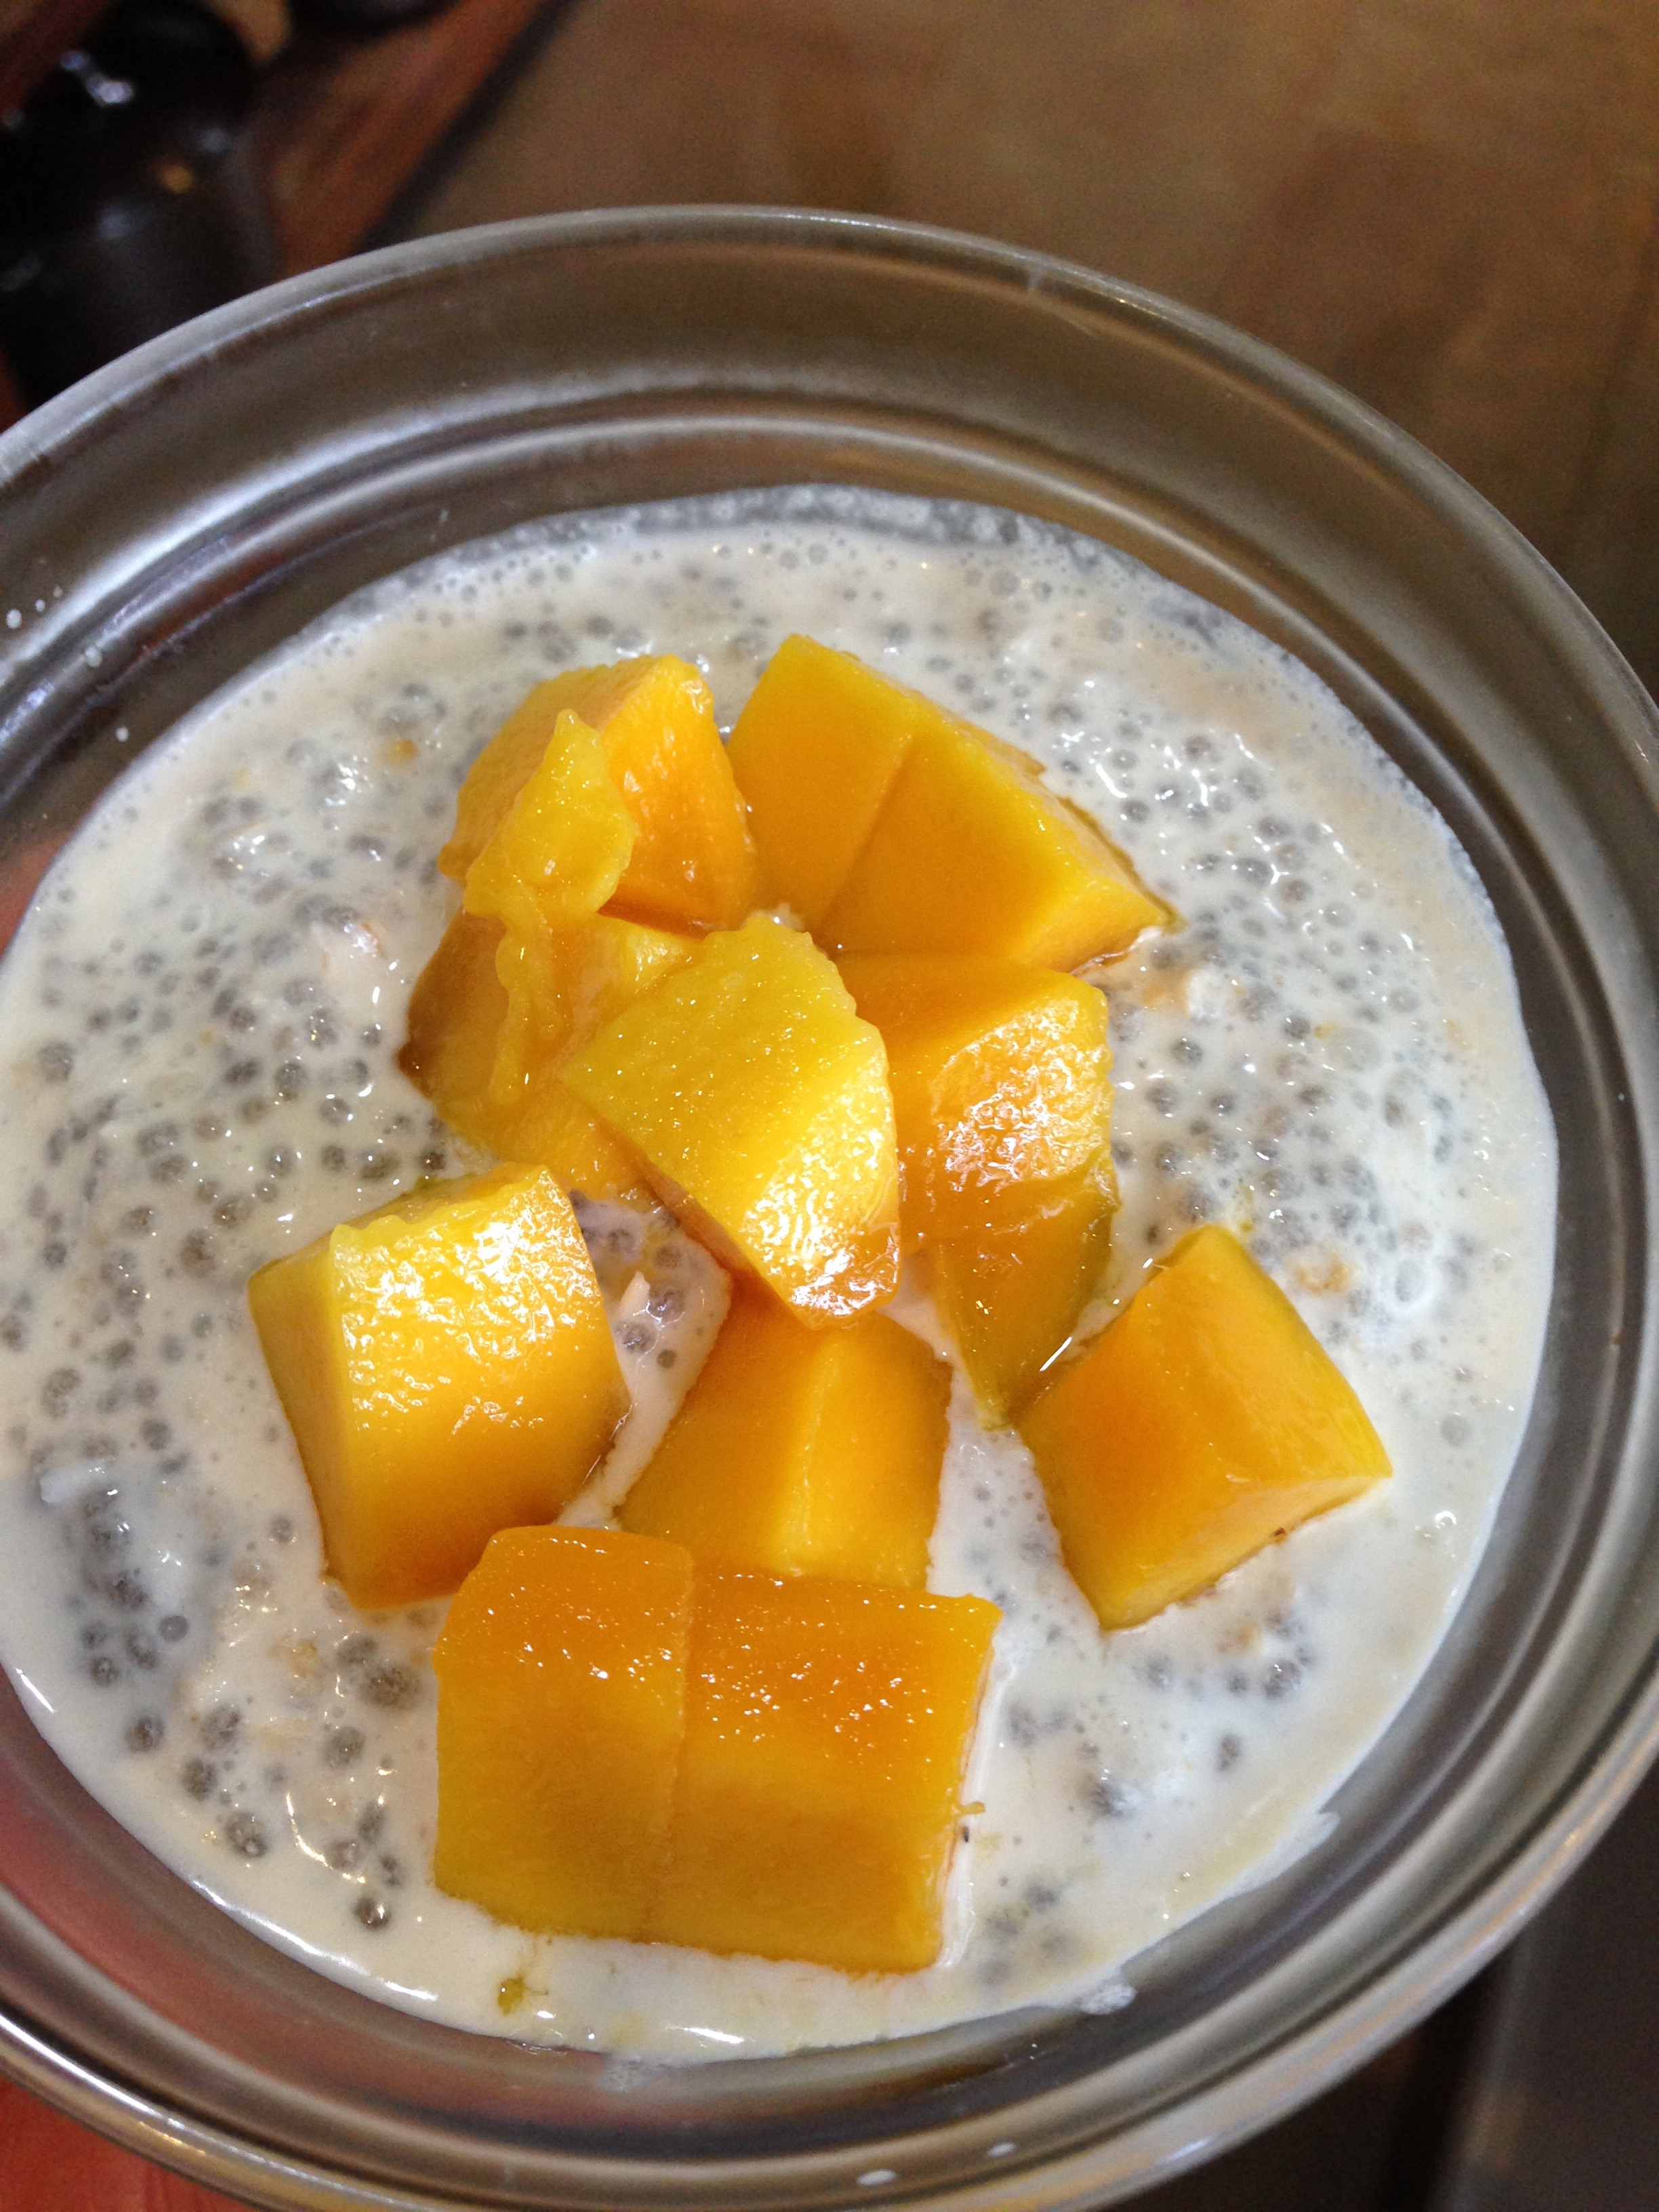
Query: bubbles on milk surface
[202, 1014]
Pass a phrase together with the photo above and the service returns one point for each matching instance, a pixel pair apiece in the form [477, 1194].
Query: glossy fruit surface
[500, 1085]
[815, 752]
[1011, 1292]
[555, 859]
[891, 825]
[759, 1100]
[561, 1674]
[803, 1451]
[692, 864]
[447, 1369]
[1000, 1075]
[827, 1731]
[1208, 1420]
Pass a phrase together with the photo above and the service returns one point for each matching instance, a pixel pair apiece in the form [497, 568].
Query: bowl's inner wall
[179, 521]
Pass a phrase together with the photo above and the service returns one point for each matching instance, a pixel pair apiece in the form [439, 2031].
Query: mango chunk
[891, 826]
[999, 1075]
[692, 865]
[560, 848]
[827, 1732]
[446, 1368]
[556, 856]
[971, 855]
[561, 1674]
[1206, 1421]
[760, 1103]
[596, 971]
[1009, 1292]
[456, 1011]
[803, 1451]
[501, 1088]
[815, 752]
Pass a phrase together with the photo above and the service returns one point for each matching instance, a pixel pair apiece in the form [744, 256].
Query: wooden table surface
[1450, 206]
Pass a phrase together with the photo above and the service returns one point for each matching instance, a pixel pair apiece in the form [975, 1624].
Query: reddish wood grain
[20, 877]
[343, 124]
[51, 2164]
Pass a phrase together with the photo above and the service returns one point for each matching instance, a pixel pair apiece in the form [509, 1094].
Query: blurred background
[1449, 206]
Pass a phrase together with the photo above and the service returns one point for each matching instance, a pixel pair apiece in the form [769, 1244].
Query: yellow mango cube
[606, 966]
[556, 857]
[559, 850]
[596, 971]
[1010, 1291]
[970, 853]
[692, 865]
[499, 1086]
[760, 1103]
[815, 752]
[891, 825]
[456, 1011]
[561, 1674]
[803, 1451]
[828, 1726]
[1000, 1074]
[445, 1365]
[1206, 1421]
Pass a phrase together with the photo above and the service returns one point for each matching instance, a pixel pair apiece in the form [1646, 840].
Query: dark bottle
[128, 198]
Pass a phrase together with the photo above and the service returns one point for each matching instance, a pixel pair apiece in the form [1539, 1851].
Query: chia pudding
[202, 1012]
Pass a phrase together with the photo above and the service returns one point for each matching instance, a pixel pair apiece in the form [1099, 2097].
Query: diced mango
[447, 1369]
[456, 1011]
[1009, 1292]
[760, 1101]
[502, 1090]
[693, 864]
[891, 826]
[815, 752]
[971, 855]
[803, 1451]
[610, 962]
[581, 1152]
[598, 970]
[827, 1731]
[1206, 1421]
[561, 1674]
[560, 848]
[556, 857]
[1000, 1073]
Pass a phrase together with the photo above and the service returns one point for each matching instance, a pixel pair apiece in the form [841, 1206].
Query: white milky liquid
[200, 1016]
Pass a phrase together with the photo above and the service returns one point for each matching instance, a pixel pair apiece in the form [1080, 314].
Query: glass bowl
[182, 512]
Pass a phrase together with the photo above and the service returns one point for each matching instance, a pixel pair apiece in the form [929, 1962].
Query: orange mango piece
[456, 1011]
[599, 970]
[1010, 1291]
[458, 1048]
[892, 826]
[446, 1368]
[803, 1451]
[561, 1674]
[1204, 1422]
[1000, 1074]
[760, 1103]
[827, 1731]
[555, 859]
[815, 752]
[970, 853]
[560, 848]
[692, 865]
